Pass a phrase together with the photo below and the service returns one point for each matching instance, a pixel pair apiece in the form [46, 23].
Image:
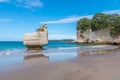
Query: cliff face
[100, 37]
[37, 39]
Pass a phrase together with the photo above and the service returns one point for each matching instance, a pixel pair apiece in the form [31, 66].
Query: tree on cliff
[115, 31]
[101, 21]
[84, 24]
[98, 21]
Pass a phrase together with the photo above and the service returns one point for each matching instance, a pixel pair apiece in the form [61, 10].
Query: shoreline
[86, 65]
[89, 67]
[55, 54]
[95, 43]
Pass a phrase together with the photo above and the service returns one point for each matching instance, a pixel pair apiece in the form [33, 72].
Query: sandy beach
[59, 40]
[88, 67]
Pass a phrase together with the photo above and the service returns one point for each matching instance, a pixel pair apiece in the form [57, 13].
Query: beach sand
[87, 67]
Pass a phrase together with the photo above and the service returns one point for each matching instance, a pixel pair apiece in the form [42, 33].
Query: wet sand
[85, 67]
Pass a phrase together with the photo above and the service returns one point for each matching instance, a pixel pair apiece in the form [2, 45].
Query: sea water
[4, 45]
[10, 47]
[14, 46]
[13, 51]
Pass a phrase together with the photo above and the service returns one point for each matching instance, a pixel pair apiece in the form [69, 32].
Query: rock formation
[35, 41]
[99, 37]
[101, 28]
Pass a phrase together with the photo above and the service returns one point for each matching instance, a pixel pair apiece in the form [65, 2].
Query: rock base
[34, 47]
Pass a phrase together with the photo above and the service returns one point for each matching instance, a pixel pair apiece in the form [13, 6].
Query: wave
[98, 46]
[59, 49]
[68, 47]
[11, 51]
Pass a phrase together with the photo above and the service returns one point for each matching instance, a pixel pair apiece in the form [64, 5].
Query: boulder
[35, 41]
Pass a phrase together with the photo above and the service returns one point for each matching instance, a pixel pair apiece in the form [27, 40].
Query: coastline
[59, 40]
[83, 67]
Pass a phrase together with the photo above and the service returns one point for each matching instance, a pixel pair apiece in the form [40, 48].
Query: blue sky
[18, 17]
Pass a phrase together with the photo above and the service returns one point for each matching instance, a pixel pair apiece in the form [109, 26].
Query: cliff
[35, 41]
[101, 29]
[97, 37]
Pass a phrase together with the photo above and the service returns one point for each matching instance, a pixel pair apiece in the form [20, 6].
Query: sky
[18, 17]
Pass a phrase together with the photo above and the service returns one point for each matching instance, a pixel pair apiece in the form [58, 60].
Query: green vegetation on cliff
[101, 21]
[84, 24]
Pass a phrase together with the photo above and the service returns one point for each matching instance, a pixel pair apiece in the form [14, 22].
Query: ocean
[14, 51]
[55, 44]
[5, 45]
[14, 47]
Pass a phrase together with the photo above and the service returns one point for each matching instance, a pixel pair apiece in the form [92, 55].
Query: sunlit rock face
[35, 41]
[97, 37]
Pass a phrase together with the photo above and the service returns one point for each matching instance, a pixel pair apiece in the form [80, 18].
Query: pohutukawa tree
[101, 21]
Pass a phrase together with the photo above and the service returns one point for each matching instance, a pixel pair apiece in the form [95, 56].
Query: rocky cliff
[35, 41]
[101, 28]
[99, 36]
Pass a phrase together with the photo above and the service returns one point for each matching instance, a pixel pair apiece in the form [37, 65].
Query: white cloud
[59, 37]
[25, 3]
[66, 20]
[112, 12]
[29, 3]
[75, 18]
[4, 0]
[5, 20]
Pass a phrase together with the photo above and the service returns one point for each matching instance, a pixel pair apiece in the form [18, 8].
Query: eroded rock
[99, 37]
[35, 41]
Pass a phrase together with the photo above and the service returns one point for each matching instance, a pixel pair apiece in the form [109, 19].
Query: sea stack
[35, 41]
